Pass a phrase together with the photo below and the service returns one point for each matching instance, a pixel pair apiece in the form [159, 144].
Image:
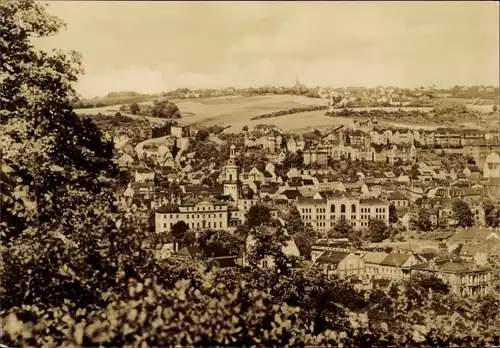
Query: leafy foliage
[378, 230]
[423, 220]
[462, 213]
[393, 214]
[257, 215]
[342, 229]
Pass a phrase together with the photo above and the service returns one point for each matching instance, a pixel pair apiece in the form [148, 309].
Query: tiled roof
[312, 201]
[331, 257]
[371, 201]
[396, 196]
[374, 257]
[168, 208]
[395, 259]
[474, 233]
[292, 194]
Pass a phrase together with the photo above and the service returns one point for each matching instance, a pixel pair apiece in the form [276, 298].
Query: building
[322, 214]
[491, 167]
[200, 213]
[372, 262]
[144, 175]
[180, 131]
[398, 199]
[315, 156]
[232, 184]
[341, 263]
[323, 244]
[465, 278]
[396, 265]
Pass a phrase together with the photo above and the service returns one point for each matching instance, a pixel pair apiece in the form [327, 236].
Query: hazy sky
[157, 46]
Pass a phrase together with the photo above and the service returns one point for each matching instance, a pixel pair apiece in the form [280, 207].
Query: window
[264, 263]
[220, 224]
[187, 216]
[332, 209]
[342, 208]
[353, 208]
[220, 215]
[165, 225]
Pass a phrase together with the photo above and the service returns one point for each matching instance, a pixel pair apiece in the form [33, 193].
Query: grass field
[238, 111]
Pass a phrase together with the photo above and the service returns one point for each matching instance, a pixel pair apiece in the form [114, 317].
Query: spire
[232, 151]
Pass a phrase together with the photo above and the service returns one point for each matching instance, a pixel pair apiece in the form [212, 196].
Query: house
[144, 174]
[471, 252]
[341, 263]
[465, 278]
[323, 244]
[223, 257]
[473, 235]
[372, 261]
[398, 199]
[395, 265]
[162, 244]
[125, 161]
[472, 172]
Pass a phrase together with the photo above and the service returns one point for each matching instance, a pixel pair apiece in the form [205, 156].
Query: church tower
[232, 184]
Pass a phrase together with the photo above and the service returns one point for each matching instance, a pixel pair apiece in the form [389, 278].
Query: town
[237, 174]
[381, 203]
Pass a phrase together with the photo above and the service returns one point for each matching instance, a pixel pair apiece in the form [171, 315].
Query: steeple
[232, 184]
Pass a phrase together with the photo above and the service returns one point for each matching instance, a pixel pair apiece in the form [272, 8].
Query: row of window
[197, 225]
[194, 216]
[214, 207]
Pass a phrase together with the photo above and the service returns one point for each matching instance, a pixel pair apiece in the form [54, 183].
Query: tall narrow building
[232, 184]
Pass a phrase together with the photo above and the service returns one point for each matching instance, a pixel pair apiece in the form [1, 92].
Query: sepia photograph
[249, 174]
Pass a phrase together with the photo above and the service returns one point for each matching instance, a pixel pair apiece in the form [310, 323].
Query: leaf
[79, 331]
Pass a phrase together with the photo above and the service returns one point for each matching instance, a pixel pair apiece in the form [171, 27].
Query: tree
[462, 213]
[419, 285]
[258, 215]
[305, 239]
[179, 230]
[495, 108]
[423, 220]
[377, 230]
[245, 129]
[393, 214]
[491, 214]
[134, 108]
[269, 242]
[295, 223]
[202, 135]
[341, 229]
[293, 160]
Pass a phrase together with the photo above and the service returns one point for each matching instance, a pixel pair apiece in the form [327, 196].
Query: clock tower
[232, 184]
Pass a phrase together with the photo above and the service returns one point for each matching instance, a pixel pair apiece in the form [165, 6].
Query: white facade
[205, 213]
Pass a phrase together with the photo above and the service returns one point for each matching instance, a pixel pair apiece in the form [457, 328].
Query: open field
[237, 112]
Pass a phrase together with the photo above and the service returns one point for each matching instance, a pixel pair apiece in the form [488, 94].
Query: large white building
[323, 213]
[206, 212]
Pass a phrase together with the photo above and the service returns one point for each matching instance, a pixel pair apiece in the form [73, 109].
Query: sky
[150, 47]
